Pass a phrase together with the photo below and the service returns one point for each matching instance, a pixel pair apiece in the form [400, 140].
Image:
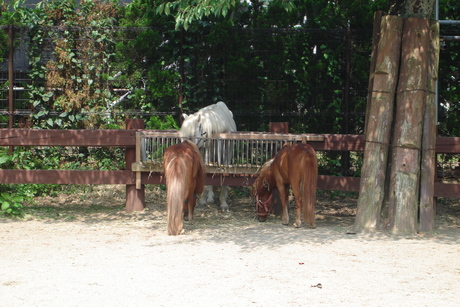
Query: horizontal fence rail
[127, 138]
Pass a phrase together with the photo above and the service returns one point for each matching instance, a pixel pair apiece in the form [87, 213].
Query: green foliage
[70, 81]
[188, 11]
[449, 76]
[10, 202]
[162, 123]
[11, 205]
[273, 56]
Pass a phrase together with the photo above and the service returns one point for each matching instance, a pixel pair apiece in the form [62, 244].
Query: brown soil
[84, 250]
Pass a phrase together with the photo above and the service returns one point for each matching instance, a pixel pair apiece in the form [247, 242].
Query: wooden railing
[127, 139]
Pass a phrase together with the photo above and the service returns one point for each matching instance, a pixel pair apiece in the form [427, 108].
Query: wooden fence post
[135, 198]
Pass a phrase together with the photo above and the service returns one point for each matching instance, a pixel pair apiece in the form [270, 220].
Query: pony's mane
[215, 118]
[264, 173]
[266, 168]
[193, 147]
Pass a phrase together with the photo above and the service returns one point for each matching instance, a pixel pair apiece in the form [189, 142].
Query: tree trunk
[428, 165]
[379, 118]
[411, 8]
[410, 107]
[392, 177]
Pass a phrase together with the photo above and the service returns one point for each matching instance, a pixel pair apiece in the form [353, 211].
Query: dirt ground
[84, 250]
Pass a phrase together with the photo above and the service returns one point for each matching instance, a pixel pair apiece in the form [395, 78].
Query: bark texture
[428, 165]
[383, 80]
[398, 168]
[408, 127]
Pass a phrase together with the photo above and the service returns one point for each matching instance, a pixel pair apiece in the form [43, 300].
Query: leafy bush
[162, 123]
[11, 205]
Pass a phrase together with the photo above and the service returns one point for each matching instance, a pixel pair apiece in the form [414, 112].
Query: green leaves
[187, 11]
[11, 205]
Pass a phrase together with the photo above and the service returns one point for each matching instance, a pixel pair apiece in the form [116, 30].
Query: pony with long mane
[295, 165]
[215, 118]
[185, 174]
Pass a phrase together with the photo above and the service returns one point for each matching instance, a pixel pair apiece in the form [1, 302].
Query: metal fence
[260, 86]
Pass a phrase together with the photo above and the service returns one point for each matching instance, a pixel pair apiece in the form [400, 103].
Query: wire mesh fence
[314, 79]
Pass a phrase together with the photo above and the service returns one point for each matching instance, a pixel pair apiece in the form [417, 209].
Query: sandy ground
[105, 257]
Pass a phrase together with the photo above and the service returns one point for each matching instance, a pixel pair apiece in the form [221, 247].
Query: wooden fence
[135, 198]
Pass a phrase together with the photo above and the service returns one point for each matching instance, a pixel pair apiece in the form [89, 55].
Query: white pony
[215, 118]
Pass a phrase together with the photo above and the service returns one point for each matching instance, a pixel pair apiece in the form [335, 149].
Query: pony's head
[262, 191]
[215, 118]
[192, 128]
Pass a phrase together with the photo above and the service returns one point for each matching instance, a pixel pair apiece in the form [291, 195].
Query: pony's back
[215, 118]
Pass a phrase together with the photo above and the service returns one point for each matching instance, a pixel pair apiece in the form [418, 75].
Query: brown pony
[185, 174]
[294, 165]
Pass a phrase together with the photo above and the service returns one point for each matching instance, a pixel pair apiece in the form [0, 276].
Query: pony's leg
[202, 201]
[191, 207]
[284, 209]
[309, 207]
[207, 196]
[186, 210]
[223, 198]
[210, 199]
[311, 215]
[298, 204]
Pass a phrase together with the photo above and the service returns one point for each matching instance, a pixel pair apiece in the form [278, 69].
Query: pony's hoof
[312, 226]
[261, 220]
[297, 225]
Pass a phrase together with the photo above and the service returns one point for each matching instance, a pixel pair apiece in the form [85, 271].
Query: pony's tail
[176, 185]
[309, 181]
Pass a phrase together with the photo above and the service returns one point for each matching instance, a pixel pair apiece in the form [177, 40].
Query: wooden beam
[271, 136]
[73, 137]
[66, 176]
[338, 183]
[448, 190]
[447, 145]
[325, 182]
[340, 142]
[127, 138]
